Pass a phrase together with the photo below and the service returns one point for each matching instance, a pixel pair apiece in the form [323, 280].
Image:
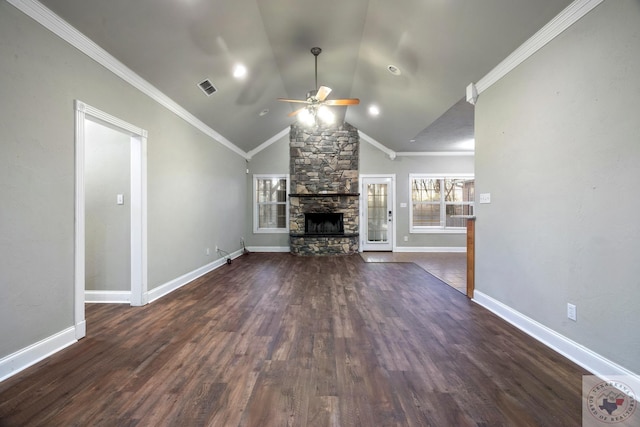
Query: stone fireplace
[324, 203]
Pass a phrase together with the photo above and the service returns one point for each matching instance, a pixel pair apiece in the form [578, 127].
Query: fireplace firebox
[323, 224]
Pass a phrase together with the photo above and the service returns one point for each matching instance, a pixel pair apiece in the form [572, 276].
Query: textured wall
[324, 160]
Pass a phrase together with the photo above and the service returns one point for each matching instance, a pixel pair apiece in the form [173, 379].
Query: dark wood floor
[278, 340]
[450, 267]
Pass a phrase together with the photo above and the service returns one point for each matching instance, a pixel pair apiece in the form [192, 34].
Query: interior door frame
[363, 204]
[138, 145]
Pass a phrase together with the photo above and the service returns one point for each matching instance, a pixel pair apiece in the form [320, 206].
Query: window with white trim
[440, 204]
[270, 206]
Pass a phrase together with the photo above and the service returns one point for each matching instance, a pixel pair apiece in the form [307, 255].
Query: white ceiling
[440, 46]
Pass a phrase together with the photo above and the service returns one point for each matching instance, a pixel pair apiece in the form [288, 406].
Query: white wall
[558, 148]
[196, 187]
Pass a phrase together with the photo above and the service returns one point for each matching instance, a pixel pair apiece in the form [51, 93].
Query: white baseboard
[455, 249]
[570, 349]
[179, 282]
[269, 249]
[113, 297]
[22, 359]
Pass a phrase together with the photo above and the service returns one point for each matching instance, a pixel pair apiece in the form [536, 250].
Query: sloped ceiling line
[62, 29]
[570, 15]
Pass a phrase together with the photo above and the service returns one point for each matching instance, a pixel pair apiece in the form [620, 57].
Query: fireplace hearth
[323, 224]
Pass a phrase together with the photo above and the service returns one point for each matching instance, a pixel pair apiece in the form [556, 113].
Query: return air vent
[207, 87]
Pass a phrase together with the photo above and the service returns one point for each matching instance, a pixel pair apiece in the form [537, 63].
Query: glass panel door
[378, 214]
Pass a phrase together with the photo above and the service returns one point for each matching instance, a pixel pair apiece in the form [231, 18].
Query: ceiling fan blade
[323, 92]
[349, 101]
[300, 101]
[293, 113]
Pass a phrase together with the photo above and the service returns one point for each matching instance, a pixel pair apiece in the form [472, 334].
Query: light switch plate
[120, 199]
[485, 197]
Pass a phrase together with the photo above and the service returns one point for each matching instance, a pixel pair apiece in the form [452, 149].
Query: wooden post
[471, 256]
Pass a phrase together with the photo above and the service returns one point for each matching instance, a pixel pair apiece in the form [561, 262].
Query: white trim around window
[274, 203]
[440, 205]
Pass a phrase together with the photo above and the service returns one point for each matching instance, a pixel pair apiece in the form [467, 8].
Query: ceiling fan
[317, 99]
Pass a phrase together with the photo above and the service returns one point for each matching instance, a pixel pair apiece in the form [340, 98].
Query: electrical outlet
[572, 312]
[217, 249]
[406, 238]
[207, 251]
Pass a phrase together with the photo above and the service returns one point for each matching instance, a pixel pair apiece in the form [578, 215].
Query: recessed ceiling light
[264, 112]
[412, 141]
[394, 70]
[239, 71]
[374, 110]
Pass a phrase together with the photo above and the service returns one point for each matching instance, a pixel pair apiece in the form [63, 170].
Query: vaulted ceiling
[439, 47]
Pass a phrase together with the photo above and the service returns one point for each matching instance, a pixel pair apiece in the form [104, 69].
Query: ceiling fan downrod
[316, 51]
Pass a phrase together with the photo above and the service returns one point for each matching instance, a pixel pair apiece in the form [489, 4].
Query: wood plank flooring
[450, 267]
[278, 340]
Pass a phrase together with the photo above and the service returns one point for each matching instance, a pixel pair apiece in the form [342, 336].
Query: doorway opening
[87, 116]
[377, 203]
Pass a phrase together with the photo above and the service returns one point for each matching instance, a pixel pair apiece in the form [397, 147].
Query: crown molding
[62, 29]
[267, 143]
[389, 152]
[551, 30]
[434, 153]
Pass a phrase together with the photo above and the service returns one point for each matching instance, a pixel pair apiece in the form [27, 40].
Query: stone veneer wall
[324, 174]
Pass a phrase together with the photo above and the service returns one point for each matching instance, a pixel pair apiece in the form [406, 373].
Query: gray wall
[196, 187]
[275, 159]
[107, 224]
[374, 161]
[558, 148]
[272, 160]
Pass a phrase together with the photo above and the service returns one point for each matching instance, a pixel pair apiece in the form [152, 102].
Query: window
[439, 202]
[271, 210]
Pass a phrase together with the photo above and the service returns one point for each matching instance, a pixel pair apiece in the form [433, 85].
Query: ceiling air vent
[207, 87]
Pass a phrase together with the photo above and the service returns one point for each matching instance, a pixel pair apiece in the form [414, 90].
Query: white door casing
[138, 140]
[377, 213]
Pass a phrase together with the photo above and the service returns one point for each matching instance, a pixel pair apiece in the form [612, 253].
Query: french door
[378, 219]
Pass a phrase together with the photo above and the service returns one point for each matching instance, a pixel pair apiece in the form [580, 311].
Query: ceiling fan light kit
[316, 112]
